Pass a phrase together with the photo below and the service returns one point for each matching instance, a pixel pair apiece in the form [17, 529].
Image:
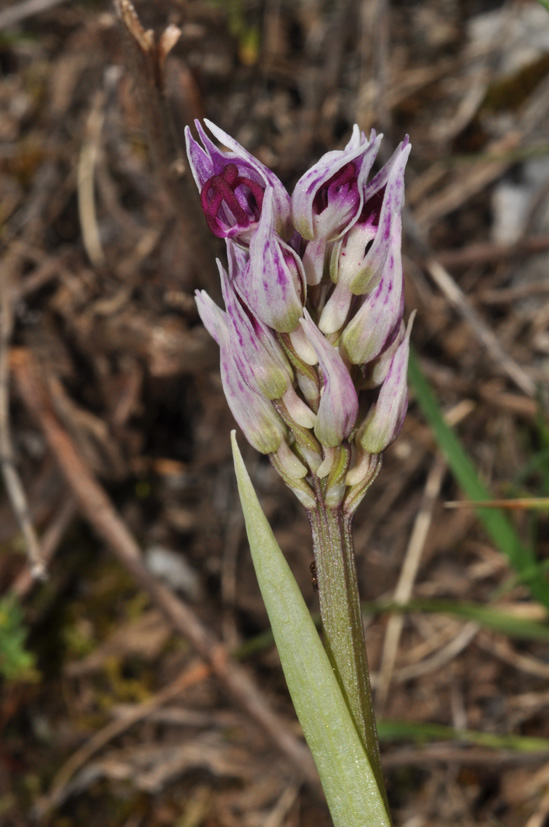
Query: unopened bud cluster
[313, 346]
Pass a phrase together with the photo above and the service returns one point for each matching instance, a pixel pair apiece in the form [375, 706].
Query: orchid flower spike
[312, 342]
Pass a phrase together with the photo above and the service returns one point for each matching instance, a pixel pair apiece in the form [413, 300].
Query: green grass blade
[496, 523]
[345, 772]
[496, 619]
[488, 617]
[425, 732]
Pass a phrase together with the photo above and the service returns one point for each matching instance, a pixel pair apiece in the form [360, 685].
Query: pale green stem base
[342, 622]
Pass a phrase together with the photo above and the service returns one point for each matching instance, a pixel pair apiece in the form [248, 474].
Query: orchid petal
[232, 185]
[267, 373]
[366, 246]
[386, 417]
[273, 284]
[338, 408]
[328, 199]
[377, 321]
[213, 318]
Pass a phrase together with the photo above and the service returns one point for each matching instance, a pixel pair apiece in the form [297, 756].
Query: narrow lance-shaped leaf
[345, 772]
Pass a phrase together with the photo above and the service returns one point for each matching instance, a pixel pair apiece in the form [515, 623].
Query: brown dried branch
[97, 508]
[19, 12]
[49, 544]
[489, 253]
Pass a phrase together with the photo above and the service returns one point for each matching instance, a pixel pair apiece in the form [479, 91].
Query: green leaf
[345, 772]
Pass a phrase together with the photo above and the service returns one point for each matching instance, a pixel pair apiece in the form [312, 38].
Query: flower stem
[342, 622]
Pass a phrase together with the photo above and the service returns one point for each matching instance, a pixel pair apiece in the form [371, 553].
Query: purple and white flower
[232, 185]
[328, 199]
[313, 349]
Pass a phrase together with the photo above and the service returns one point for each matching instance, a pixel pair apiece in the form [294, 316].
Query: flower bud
[386, 417]
[255, 415]
[338, 408]
[377, 320]
[273, 283]
[272, 373]
[360, 255]
[375, 372]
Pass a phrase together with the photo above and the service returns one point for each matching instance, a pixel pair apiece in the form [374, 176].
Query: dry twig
[19, 12]
[408, 574]
[191, 676]
[458, 299]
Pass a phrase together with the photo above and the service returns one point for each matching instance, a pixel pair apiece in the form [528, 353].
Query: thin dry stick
[233, 534]
[381, 64]
[98, 509]
[87, 162]
[12, 481]
[539, 818]
[277, 816]
[473, 756]
[440, 658]
[49, 544]
[457, 298]
[407, 578]
[489, 252]
[504, 651]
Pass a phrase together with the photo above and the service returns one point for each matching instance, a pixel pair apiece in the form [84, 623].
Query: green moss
[16, 662]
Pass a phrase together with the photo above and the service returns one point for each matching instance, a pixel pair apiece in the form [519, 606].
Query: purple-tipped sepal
[338, 408]
[386, 417]
[377, 320]
[328, 199]
[232, 185]
[359, 257]
[273, 282]
[255, 415]
[264, 363]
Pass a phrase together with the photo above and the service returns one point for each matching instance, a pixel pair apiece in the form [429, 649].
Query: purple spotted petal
[273, 284]
[386, 417]
[329, 197]
[264, 369]
[377, 320]
[364, 249]
[254, 414]
[338, 409]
